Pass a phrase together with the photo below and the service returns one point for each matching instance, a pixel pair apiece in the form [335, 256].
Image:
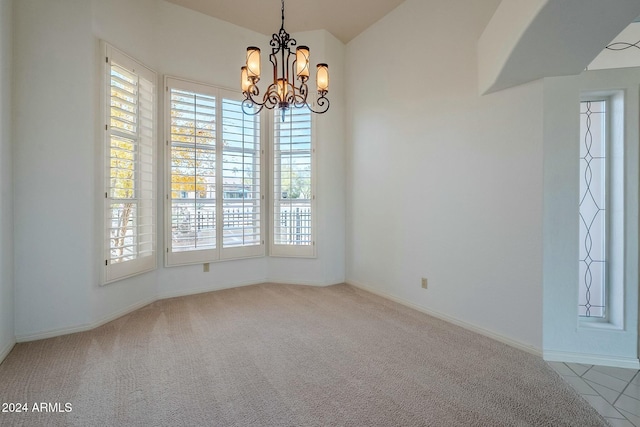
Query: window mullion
[242, 183]
[137, 189]
[219, 176]
[195, 166]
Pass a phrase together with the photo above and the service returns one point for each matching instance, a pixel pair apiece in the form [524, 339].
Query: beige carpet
[281, 355]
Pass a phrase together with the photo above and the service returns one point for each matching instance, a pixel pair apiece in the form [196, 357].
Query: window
[593, 209]
[601, 209]
[130, 213]
[293, 187]
[214, 208]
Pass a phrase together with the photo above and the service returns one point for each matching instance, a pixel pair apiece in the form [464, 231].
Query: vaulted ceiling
[531, 40]
[345, 19]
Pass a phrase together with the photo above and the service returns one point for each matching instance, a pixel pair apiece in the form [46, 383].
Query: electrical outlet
[424, 282]
[205, 267]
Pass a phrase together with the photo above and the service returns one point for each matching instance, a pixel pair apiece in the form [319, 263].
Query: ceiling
[345, 19]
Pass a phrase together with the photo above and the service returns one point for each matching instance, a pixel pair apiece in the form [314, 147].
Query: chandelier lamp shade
[290, 76]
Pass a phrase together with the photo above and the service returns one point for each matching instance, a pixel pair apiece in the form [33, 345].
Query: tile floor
[614, 392]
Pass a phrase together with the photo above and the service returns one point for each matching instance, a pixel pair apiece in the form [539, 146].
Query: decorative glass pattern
[593, 210]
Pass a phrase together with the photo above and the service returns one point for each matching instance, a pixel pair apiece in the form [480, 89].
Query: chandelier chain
[282, 26]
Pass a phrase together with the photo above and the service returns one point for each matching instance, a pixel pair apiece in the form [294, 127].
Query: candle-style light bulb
[322, 78]
[253, 63]
[302, 61]
[245, 83]
[283, 89]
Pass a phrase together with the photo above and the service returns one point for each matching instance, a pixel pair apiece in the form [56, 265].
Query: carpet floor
[283, 355]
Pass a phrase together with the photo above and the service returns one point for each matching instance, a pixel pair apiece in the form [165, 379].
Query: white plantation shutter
[293, 187]
[214, 156]
[192, 162]
[130, 239]
[241, 184]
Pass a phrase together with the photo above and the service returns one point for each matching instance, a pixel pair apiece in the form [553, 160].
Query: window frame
[615, 134]
[220, 252]
[113, 272]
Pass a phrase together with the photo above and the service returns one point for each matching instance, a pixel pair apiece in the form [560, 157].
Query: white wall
[443, 183]
[58, 249]
[53, 164]
[6, 180]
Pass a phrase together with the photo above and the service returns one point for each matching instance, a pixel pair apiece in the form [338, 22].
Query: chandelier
[284, 92]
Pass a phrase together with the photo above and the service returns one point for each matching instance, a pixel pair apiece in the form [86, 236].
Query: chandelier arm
[253, 90]
[301, 96]
[294, 70]
[290, 77]
[291, 94]
[322, 102]
[271, 98]
[295, 90]
[275, 47]
[248, 107]
[286, 43]
[251, 93]
[275, 44]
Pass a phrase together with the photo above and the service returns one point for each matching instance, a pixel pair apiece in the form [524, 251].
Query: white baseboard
[302, 283]
[113, 316]
[202, 290]
[508, 341]
[591, 359]
[205, 289]
[4, 352]
[86, 327]
[51, 333]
